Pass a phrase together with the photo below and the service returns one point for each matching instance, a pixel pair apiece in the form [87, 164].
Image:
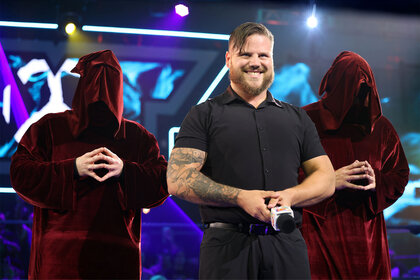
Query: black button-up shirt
[249, 148]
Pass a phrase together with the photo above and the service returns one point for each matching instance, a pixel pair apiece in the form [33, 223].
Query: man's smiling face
[251, 68]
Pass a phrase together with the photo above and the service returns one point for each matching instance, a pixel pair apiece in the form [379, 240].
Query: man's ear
[228, 58]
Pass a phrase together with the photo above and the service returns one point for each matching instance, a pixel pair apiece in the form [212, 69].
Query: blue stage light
[6, 190]
[156, 32]
[312, 21]
[29, 24]
[123, 30]
[214, 84]
[385, 100]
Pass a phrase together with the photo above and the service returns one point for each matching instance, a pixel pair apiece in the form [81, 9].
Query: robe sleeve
[144, 181]
[392, 178]
[38, 179]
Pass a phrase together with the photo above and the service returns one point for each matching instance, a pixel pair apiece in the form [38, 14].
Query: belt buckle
[258, 229]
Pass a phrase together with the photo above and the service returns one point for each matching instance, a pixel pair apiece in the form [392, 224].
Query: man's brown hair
[242, 32]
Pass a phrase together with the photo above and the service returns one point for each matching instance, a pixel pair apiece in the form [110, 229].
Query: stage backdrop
[164, 77]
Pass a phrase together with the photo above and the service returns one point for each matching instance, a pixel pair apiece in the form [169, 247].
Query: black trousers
[228, 254]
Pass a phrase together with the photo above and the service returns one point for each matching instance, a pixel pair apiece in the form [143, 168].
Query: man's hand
[356, 171]
[114, 165]
[284, 198]
[87, 164]
[253, 202]
[370, 176]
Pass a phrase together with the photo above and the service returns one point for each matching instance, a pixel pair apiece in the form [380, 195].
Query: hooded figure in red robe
[346, 234]
[88, 172]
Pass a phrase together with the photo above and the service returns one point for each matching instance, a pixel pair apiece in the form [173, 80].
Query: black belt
[256, 229]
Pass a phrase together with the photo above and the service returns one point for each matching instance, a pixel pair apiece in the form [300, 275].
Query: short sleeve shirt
[249, 148]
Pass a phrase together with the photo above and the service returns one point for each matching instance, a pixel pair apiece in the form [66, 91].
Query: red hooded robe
[83, 228]
[346, 234]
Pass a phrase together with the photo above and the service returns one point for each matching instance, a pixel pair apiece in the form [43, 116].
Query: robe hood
[341, 85]
[101, 79]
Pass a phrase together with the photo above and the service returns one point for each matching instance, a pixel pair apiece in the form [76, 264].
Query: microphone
[282, 219]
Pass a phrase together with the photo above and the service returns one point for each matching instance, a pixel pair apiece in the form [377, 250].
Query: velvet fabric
[83, 228]
[346, 234]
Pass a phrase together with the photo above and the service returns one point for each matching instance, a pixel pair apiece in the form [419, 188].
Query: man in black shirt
[238, 156]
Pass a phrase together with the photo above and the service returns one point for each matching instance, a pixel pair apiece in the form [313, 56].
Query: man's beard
[239, 79]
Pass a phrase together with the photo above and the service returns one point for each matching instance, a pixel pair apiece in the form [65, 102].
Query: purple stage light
[181, 10]
[171, 214]
[15, 101]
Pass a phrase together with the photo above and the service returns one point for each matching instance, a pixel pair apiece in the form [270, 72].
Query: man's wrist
[240, 198]
[121, 175]
[291, 194]
[75, 171]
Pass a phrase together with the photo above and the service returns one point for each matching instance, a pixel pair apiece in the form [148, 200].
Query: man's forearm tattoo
[184, 171]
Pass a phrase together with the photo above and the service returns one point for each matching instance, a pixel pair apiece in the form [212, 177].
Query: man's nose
[254, 61]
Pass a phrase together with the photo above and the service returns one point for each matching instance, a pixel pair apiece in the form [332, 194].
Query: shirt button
[267, 171]
[261, 128]
[265, 149]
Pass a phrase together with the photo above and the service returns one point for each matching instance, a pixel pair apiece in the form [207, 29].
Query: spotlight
[70, 28]
[70, 22]
[181, 10]
[312, 21]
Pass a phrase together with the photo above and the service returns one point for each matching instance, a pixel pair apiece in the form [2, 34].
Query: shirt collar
[230, 95]
[272, 100]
